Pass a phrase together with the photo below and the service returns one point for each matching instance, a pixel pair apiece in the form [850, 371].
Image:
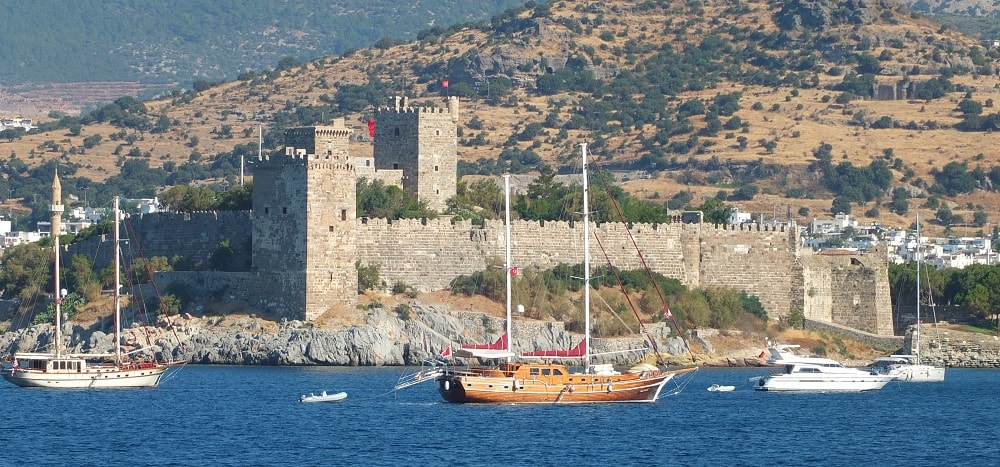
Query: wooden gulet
[544, 382]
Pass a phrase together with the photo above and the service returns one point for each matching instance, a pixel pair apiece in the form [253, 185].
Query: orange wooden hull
[517, 384]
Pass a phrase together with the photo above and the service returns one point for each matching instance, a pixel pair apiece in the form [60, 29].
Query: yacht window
[534, 371]
[557, 371]
[546, 371]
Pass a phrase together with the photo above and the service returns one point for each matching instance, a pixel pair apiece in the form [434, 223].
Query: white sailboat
[909, 367]
[57, 369]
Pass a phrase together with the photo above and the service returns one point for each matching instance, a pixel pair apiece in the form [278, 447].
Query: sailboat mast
[57, 209]
[117, 292]
[586, 261]
[507, 266]
[920, 255]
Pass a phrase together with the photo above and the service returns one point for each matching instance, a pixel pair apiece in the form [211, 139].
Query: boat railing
[429, 370]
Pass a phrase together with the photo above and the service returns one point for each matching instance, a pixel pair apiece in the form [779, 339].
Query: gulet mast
[118, 286]
[507, 261]
[919, 258]
[586, 262]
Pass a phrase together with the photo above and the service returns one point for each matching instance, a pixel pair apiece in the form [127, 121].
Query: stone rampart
[753, 258]
[850, 290]
[220, 286]
[429, 254]
[193, 236]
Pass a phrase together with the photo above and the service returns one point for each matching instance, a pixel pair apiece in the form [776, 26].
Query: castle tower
[423, 143]
[304, 224]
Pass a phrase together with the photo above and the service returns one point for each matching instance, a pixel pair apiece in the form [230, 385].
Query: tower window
[437, 132]
[343, 215]
[331, 228]
[395, 166]
[368, 163]
[284, 210]
[266, 210]
[397, 132]
[436, 168]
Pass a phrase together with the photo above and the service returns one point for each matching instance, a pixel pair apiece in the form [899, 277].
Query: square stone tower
[423, 143]
[304, 210]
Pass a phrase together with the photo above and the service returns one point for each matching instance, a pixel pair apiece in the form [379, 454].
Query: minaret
[56, 208]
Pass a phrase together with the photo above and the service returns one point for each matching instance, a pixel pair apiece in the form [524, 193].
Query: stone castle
[304, 238]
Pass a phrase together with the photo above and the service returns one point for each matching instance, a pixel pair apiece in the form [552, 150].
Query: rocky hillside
[956, 7]
[380, 338]
[706, 96]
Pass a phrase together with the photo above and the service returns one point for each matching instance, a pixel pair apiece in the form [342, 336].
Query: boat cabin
[43, 362]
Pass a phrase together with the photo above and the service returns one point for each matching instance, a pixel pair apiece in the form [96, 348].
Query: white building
[92, 215]
[737, 217]
[17, 238]
[141, 206]
[838, 224]
[22, 123]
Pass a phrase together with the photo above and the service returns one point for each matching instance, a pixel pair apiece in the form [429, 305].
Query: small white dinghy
[720, 388]
[323, 397]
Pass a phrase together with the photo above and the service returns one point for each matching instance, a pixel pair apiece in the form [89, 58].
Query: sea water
[248, 416]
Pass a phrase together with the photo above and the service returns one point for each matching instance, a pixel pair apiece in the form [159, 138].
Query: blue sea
[249, 416]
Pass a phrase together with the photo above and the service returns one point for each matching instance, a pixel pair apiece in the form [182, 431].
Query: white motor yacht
[816, 374]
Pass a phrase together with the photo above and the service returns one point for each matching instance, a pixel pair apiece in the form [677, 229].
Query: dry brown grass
[800, 125]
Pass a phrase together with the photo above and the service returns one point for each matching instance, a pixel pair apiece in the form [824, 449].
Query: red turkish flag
[444, 83]
[513, 271]
[371, 127]
[447, 352]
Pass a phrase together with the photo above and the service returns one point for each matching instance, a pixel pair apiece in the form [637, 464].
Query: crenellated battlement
[411, 110]
[400, 105]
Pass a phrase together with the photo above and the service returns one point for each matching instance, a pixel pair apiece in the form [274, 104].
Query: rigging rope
[130, 231]
[649, 272]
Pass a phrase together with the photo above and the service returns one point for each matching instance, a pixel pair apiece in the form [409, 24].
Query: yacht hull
[918, 373]
[89, 378]
[484, 388]
[822, 383]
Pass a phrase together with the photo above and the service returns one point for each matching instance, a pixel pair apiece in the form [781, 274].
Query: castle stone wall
[849, 290]
[753, 259]
[428, 255]
[816, 294]
[193, 236]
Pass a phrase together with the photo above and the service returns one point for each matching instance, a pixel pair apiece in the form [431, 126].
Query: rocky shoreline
[387, 339]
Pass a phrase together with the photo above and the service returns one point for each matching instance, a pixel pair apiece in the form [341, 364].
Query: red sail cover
[500, 344]
[577, 351]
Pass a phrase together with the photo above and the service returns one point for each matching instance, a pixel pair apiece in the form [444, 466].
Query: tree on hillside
[11, 134]
[840, 205]
[182, 198]
[24, 270]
